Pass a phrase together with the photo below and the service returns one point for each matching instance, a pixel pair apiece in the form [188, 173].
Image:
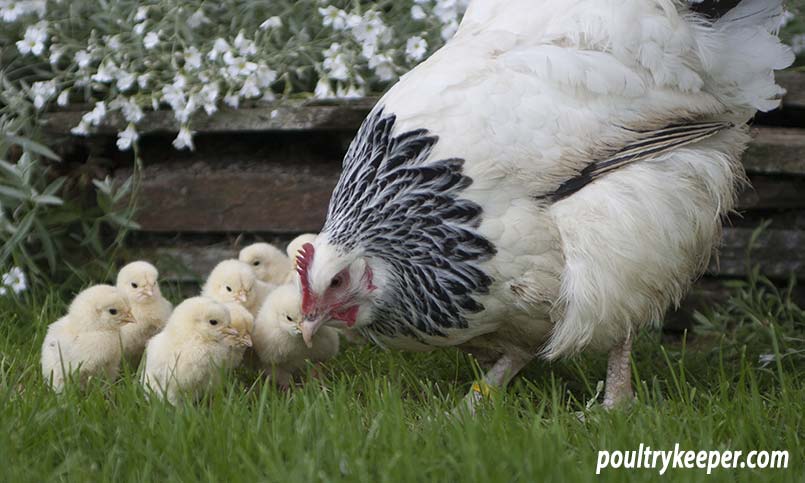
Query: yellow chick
[277, 339]
[296, 244]
[232, 281]
[185, 358]
[268, 262]
[243, 322]
[139, 282]
[87, 339]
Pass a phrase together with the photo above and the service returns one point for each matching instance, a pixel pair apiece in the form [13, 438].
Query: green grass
[381, 416]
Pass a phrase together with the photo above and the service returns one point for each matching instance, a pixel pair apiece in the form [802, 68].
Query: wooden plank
[198, 197]
[776, 151]
[794, 84]
[773, 193]
[778, 253]
[279, 116]
[276, 196]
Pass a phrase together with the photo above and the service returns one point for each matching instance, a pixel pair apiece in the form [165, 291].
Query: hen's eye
[113, 311]
[133, 285]
[290, 319]
[228, 288]
[213, 322]
[335, 282]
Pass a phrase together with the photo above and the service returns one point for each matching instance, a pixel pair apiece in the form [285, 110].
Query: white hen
[551, 180]
[86, 341]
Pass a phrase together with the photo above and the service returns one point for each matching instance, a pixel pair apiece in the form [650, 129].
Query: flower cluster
[196, 57]
[14, 280]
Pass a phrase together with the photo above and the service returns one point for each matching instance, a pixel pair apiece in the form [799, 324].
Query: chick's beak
[231, 331]
[309, 327]
[246, 340]
[128, 318]
[241, 297]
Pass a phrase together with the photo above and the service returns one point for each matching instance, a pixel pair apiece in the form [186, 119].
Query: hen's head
[337, 289]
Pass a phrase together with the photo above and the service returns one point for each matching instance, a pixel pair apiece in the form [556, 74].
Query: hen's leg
[497, 377]
[619, 375]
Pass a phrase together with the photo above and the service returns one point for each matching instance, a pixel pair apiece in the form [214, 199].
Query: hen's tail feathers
[648, 145]
[743, 54]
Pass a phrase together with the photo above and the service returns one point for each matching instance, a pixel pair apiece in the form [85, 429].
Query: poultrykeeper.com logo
[647, 458]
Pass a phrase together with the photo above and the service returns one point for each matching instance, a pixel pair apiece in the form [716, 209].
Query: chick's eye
[213, 322]
[228, 288]
[133, 285]
[335, 282]
[113, 311]
[290, 319]
[256, 263]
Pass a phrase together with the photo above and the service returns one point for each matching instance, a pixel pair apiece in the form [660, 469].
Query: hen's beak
[309, 327]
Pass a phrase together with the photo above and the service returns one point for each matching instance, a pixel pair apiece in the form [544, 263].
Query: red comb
[303, 261]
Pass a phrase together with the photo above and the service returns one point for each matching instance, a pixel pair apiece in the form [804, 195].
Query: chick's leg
[619, 375]
[497, 377]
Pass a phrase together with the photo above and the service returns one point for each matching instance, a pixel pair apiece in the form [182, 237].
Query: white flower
[142, 14]
[249, 89]
[113, 41]
[417, 13]
[124, 79]
[232, 100]
[238, 66]
[192, 58]
[41, 92]
[82, 129]
[415, 48]
[56, 54]
[333, 17]
[3, 291]
[209, 98]
[335, 62]
[323, 89]
[371, 29]
[798, 44]
[766, 359]
[382, 66]
[184, 140]
[449, 30]
[151, 40]
[142, 80]
[11, 11]
[174, 95]
[184, 112]
[33, 42]
[219, 47]
[245, 46]
[132, 112]
[270, 23]
[127, 137]
[197, 19]
[63, 98]
[139, 28]
[83, 58]
[350, 92]
[106, 72]
[446, 10]
[96, 115]
[265, 76]
[15, 280]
